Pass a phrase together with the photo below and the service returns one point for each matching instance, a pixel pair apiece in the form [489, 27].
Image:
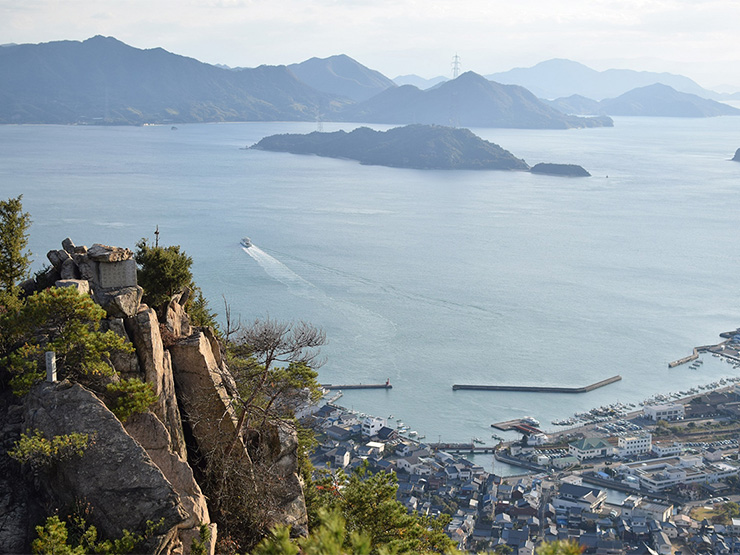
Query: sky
[696, 38]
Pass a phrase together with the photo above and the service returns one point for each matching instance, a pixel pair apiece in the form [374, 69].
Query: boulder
[68, 245]
[115, 475]
[105, 253]
[156, 366]
[87, 268]
[122, 302]
[57, 258]
[69, 269]
[82, 285]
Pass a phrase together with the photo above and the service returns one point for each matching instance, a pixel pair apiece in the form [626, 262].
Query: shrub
[129, 397]
[38, 451]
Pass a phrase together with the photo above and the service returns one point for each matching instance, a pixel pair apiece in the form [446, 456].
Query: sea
[429, 278]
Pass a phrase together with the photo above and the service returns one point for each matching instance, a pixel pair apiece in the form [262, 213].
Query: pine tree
[14, 259]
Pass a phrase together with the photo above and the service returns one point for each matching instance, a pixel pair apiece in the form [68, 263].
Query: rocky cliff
[144, 470]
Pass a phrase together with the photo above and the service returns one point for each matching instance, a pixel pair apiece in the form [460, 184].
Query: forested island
[427, 147]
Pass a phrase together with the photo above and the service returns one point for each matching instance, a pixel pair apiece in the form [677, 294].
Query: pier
[539, 388]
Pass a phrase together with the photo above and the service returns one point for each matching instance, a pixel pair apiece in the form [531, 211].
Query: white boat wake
[279, 271]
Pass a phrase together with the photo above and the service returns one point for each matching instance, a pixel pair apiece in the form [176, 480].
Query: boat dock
[539, 388]
[518, 425]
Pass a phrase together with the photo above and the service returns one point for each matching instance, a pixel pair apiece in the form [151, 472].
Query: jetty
[462, 447]
[539, 388]
[386, 385]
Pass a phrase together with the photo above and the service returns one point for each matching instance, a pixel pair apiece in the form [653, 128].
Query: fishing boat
[246, 242]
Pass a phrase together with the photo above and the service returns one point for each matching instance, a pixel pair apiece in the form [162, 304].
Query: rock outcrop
[736, 158]
[115, 475]
[156, 365]
[139, 471]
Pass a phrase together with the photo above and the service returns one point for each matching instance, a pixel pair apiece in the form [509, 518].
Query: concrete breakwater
[359, 386]
[539, 388]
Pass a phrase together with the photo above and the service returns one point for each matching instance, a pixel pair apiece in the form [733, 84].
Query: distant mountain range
[653, 100]
[341, 76]
[468, 101]
[559, 78]
[413, 146]
[103, 80]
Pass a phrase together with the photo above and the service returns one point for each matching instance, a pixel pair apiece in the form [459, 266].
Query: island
[569, 170]
[736, 158]
[413, 146]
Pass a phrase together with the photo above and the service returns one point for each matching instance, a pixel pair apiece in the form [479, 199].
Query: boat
[246, 242]
[531, 421]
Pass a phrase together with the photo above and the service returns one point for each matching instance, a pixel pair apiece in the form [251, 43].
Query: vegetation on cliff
[412, 146]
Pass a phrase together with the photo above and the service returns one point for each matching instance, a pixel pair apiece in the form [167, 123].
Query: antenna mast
[455, 66]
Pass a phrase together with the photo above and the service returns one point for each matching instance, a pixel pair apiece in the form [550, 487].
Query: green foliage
[163, 272]
[199, 311]
[14, 261]
[367, 503]
[66, 322]
[131, 396]
[560, 547]
[330, 538]
[54, 538]
[725, 512]
[38, 451]
[199, 545]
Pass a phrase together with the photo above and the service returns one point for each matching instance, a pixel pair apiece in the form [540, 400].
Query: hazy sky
[697, 38]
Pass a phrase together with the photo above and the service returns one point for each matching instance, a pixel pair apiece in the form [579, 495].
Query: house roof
[590, 443]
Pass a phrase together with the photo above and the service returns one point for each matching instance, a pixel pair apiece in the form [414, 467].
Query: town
[662, 479]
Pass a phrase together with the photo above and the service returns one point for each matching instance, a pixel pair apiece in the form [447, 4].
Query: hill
[103, 80]
[654, 100]
[559, 78]
[469, 101]
[413, 146]
[341, 76]
[662, 100]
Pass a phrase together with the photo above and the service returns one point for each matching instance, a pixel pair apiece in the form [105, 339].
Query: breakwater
[539, 388]
[358, 386]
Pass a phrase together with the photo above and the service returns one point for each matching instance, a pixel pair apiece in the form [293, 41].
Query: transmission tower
[455, 66]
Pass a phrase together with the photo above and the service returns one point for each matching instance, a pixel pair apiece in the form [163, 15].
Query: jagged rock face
[176, 319]
[115, 474]
[156, 365]
[202, 390]
[152, 435]
[126, 364]
[15, 517]
[198, 368]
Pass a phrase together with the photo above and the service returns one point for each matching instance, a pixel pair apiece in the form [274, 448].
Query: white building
[590, 448]
[630, 446]
[661, 474]
[666, 449]
[672, 411]
[372, 425]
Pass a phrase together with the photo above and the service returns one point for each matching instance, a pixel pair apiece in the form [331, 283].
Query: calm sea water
[429, 278]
